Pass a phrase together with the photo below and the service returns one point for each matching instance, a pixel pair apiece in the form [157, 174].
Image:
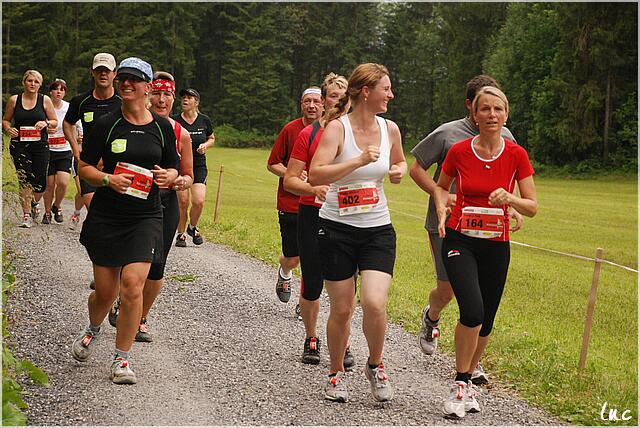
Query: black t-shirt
[199, 130]
[113, 139]
[86, 108]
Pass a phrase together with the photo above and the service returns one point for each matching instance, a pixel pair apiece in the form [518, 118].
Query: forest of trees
[569, 69]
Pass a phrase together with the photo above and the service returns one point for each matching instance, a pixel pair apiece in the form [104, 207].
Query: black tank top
[22, 117]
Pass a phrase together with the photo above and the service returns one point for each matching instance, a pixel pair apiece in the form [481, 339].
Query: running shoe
[379, 381]
[121, 372]
[298, 312]
[181, 240]
[57, 214]
[35, 210]
[92, 285]
[75, 219]
[479, 377]
[83, 345]
[311, 353]
[336, 388]
[348, 362]
[46, 218]
[113, 312]
[143, 334]
[195, 234]
[429, 333]
[27, 221]
[283, 288]
[454, 405]
[471, 405]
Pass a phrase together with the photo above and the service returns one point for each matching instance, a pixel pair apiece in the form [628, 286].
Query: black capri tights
[477, 269]
[32, 163]
[170, 219]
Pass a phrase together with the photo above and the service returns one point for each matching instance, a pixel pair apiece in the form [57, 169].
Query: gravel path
[226, 351]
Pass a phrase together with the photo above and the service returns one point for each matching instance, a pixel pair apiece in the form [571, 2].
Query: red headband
[163, 85]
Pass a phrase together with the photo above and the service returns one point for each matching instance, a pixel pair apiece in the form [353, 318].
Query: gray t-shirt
[434, 148]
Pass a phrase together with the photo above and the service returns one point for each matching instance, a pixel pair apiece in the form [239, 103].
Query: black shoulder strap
[314, 131]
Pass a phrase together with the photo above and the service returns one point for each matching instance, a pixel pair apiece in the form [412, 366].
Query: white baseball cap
[103, 59]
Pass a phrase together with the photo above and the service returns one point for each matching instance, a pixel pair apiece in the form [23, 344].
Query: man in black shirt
[88, 107]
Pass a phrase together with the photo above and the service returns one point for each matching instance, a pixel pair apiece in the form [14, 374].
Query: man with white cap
[311, 106]
[88, 107]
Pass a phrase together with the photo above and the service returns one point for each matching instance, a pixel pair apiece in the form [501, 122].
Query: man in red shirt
[311, 106]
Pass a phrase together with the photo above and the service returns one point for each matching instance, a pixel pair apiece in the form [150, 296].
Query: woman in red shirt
[475, 250]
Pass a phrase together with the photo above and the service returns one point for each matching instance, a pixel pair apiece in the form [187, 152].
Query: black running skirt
[116, 241]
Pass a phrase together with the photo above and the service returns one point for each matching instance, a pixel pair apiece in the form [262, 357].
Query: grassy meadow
[537, 337]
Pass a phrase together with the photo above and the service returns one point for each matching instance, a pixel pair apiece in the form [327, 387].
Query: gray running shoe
[479, 377]
[121, 372]
[336, 388]
[27, 221]
[46, 218]
[454, 405]
[428, 337]
[283, 288]
[471, 405]
[35, 210]
[143, 334]
[379, 381]
[114, 311]
[181, 240]
[83, 345]
[348, 362]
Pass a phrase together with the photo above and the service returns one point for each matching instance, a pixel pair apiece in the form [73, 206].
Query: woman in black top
[31, 113]
[123, 229]
[201, 132]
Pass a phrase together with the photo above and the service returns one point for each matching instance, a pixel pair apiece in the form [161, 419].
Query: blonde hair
[34, 73]
[332, 79]
[369, 75]
[489, 90]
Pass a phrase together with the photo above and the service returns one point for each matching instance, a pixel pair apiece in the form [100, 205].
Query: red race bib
[142, 179]
[480, 222]
[57, 141]
[357, 198]
[29, 133]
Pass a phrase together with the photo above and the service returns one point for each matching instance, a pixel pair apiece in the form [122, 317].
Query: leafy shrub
[228, 136]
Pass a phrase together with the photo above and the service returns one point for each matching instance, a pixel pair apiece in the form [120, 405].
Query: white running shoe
[336, 388]
[479, 377]
[380, 386]
[121, 372]
[27, 221]
[83, 345]
[471, 405]
[454, 405]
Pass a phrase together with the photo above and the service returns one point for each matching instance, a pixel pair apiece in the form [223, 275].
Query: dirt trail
[225, 350]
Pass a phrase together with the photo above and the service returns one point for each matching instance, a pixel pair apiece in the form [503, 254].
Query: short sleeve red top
[303, 151]
[280, 153]
[477, 177]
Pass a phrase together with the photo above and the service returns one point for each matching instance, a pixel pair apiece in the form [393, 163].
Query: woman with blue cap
[123, 230]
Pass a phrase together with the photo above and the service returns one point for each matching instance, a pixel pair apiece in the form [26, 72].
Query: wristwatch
[105, 180]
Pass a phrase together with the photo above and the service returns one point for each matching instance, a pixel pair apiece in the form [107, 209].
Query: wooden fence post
[215, 215]
[590, 308]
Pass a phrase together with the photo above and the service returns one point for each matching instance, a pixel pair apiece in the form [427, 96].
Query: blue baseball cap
[136, 67]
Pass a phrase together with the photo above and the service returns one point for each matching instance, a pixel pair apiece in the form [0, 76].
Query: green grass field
[537, 337]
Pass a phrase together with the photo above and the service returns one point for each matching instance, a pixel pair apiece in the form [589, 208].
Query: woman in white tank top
[355, 233]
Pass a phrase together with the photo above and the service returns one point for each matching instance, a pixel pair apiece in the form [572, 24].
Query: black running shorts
[289, 233]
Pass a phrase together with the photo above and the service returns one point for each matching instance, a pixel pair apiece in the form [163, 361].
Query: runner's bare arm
[8, 116]
[52, 119]
[441, 198]
[69, 130]
[526, 204]
[294, 184]
[397, 161]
